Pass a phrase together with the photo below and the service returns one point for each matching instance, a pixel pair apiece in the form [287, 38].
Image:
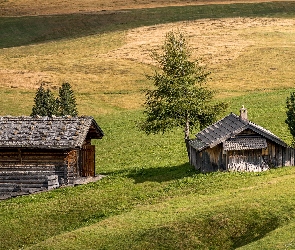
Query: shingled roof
[47, 132]
[227, 128]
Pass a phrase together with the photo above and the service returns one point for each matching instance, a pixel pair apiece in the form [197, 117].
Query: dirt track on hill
[52, 7]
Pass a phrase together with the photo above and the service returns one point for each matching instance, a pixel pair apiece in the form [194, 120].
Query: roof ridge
[8, 117]
[262, 129]
[224, 118]
[229, 126]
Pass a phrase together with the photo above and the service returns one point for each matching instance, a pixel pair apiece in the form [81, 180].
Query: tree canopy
[67, 101]
[290, 121]
[180, 97]
[45, 104]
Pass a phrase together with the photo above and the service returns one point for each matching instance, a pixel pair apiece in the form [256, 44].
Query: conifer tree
[44, 103]
[67, 101]
[290, 121]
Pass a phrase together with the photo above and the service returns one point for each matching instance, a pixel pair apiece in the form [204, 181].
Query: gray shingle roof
[47, 132]
[228, 127]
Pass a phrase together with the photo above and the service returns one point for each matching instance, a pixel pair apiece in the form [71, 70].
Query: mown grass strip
[246, 208]
[16, 31]
[280, 238]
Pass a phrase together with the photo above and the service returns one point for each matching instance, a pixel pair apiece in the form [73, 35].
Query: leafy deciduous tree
[180, 97]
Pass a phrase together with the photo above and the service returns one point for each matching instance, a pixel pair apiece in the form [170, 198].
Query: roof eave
[268, 136]
[98, 131]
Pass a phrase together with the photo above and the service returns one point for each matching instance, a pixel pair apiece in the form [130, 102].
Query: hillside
[150, 198]
[53, 7]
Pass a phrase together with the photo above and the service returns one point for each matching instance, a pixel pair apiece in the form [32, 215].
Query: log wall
[27, 171]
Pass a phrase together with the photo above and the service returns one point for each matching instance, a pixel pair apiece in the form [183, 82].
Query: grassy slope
[151, 197]
[91, 67]
[220, 218]
[37, 7]
[17, 31]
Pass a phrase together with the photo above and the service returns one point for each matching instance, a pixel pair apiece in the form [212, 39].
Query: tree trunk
[186, 129]
[186, 136]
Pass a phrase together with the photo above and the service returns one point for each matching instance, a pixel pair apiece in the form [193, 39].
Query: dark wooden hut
[41, 153]
[237, 144]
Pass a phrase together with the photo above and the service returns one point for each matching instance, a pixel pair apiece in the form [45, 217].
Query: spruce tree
[67, 101]
[290, 121]
[44, 103]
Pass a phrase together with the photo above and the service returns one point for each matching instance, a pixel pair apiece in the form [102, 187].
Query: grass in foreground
[149, 180]
[131, 210]
[280, 238]
[223, 219]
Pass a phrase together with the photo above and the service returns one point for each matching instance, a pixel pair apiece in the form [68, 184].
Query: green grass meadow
[150, 197]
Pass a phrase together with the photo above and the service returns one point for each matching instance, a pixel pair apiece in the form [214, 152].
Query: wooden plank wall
[246, 160]
[210, 160]
[215, 159]
[72, 169]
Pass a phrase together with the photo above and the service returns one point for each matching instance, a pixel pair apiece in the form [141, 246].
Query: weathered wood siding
[72, 169]
[25, 170]
[29, 156]
[246, 160]
[216, 159]
[289, 157]
[277, 156]
[209, 160]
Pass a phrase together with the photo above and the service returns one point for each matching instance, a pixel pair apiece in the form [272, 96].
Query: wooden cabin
[237, 144]
[41, 153]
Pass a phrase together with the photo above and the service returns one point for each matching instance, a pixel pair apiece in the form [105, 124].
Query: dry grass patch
[216, 41]
[54, 62]
[15, 101]
[110, 84]
[24, 79]
[244, 54]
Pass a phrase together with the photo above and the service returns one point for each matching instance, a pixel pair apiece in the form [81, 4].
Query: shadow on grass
[17, 31]
[255, 231]
[161, 174]
[195, 233]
